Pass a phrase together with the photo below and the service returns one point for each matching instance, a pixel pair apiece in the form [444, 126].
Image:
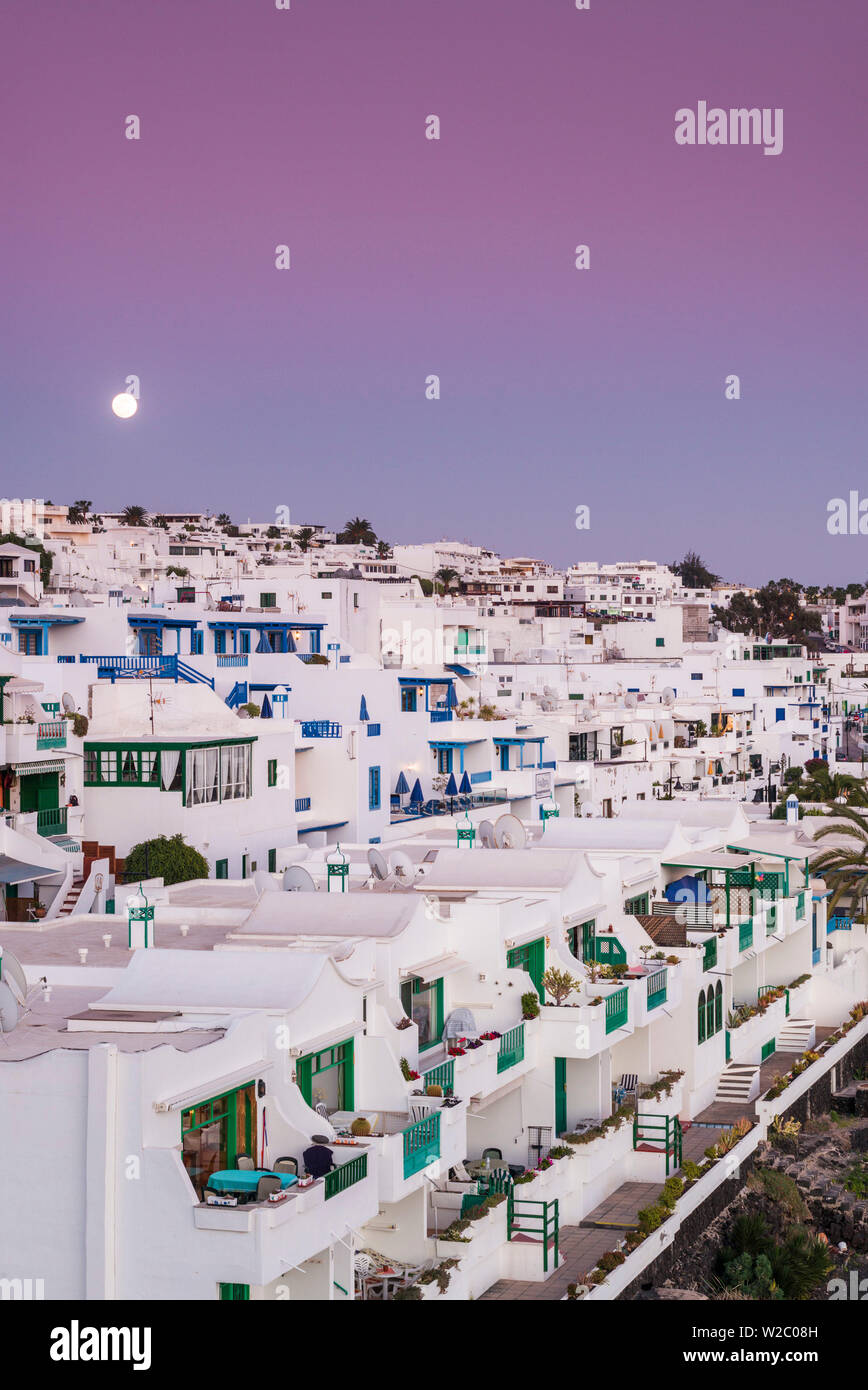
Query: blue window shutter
[737, 691]
[779, 715]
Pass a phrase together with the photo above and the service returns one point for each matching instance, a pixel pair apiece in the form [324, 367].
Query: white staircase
[796, 1035]
[740, 1082]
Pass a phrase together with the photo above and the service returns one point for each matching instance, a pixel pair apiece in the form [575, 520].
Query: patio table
[246, 1179]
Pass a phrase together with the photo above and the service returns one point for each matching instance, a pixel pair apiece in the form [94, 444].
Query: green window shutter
[272, 772]
[701, 1017]
[272, 861]
[303, 1076]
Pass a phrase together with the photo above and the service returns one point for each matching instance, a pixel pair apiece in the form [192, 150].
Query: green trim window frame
[272, 861]
[328, 1077]
[272, 772]
[636, 907]
[581, 939]
[532, 958]
[700, 1017]
[422, 1001]
[217, 771]
[718, 1007]
[216, 1131]
[268, 600]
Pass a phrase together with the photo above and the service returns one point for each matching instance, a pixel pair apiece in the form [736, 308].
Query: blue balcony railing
[320, 728]
[302, 803]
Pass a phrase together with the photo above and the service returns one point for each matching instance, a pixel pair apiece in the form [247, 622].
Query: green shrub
[651, 1217]
[171, 859]
[530, 1005]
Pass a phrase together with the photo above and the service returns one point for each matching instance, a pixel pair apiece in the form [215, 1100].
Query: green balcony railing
[709, 953]
[346, 1175]
[421, 1143]
[616, 1009]
[444, 1075]
[511, 1048]
[800, 908]
[51, 821]
[662, 1132]
[51, 735]
[528, 1219]
[745, 934]
[656, 989]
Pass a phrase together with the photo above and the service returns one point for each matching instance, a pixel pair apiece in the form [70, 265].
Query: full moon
[125, 405]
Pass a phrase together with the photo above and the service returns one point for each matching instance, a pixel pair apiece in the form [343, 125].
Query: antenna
[509, 833]
[379, 867]
[298, 880]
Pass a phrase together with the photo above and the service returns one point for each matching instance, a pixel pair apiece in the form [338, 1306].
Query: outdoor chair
[286, 1165]
[492, 1153]
[244, 1161]
[266, 1186]
[318, 1160]
[625, 1087]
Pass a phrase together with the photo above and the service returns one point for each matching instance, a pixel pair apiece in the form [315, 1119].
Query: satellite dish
[379, 866]
[630, 700]
[298, 880]
[668, 696]
[68, 703]
[509, 833]
[12, 975]
[402, 866]
[9, 1010]
[243, 712]
[590, 809]
[486, 834]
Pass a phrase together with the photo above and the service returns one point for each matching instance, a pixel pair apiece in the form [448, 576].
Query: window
[197, 640]
[637, 907]
[326, 1078]
[696, 675]
[408, 699]
[444, 759]
[234, 1293]
[272, 772]
[423, 1002]
[373, 789]
[718, 1007]
[658, 641]
[220, 641]
[268, 600]
[272, 861]
[29, 566]
[531, 958]
[326, 594]
[215, 1132]
[244, 641]
[29, 643]
[709, 1014]
[355, 600]
[737, 690]
[700, 1017]
[221, 868]
[217, 774]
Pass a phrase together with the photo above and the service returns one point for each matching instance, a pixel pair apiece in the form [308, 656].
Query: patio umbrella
[402, 786]
[266, 712]
[465, 788]
[263, 645]
[416, 796]
[451, 697]
[451, 789]
[363, 709]
[290, 642]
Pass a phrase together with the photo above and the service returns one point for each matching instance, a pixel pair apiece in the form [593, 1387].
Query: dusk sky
[305, 388]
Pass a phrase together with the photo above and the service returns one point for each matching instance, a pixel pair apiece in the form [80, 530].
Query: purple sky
[410, 257]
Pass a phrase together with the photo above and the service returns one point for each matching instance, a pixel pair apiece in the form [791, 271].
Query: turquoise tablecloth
[246, 1179]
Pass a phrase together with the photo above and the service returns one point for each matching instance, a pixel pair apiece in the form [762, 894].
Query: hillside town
[628, 792]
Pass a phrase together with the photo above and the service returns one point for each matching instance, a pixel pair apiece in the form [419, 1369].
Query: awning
[14, 871]
[479, 1106]
[216, 1086]
[49, 765]
[436, 969]
[459, 670]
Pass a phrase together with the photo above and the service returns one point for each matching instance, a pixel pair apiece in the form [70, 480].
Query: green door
[40, 792]
[532, 958]
[560, 1095]
[221, 868]
[234, 1293]
[327, 1077]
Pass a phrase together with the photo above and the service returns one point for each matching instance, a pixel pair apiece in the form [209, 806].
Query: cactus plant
[360, 1127]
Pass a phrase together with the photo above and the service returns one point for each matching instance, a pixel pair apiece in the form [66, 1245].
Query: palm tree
[358, 531]
[846, 865]
[224, 520]
[134, 516]
[449, 578]
[303, 537]
[161, 521]
[79, 510]
[384, 550]
[823, 785]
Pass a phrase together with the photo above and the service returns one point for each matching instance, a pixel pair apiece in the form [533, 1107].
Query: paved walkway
[581, 1246]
